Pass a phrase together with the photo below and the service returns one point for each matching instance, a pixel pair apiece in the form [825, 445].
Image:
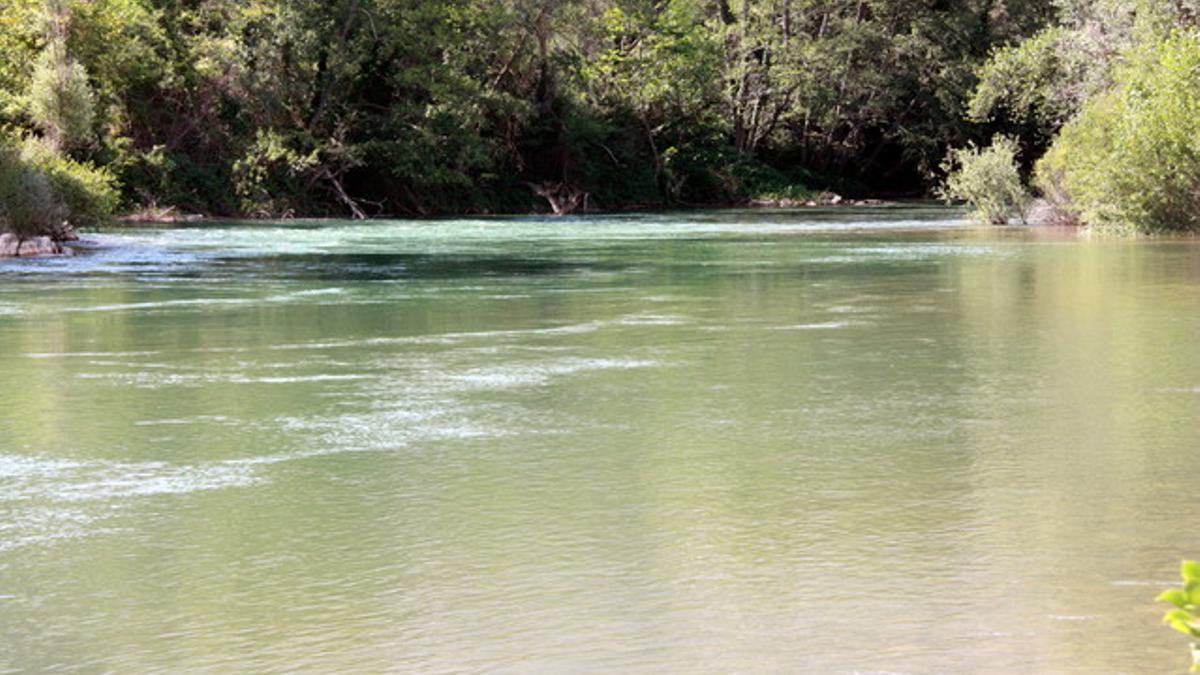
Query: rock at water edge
[9, 244]
[36, 246]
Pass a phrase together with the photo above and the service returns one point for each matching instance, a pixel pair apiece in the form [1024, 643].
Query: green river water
[875, 440]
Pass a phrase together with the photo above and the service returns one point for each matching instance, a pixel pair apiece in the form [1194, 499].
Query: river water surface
[824, 441]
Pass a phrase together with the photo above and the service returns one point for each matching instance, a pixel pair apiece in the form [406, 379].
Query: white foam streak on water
[213, 303]
[37, 526]
[297, 379]
[444, 338]
[18, 466]
[151, 380]
[849, 309]
[417, 401]
[828, 325]
[47, 501]
[187, 421]
[76, 355]
[25, 479]
[43, 501]
[653, 320]
[503, 377]
[883, 253]
[316, 292]
[165, 304]
[123, 481]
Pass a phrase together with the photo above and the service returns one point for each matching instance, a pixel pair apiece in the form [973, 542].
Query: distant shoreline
[172, 216]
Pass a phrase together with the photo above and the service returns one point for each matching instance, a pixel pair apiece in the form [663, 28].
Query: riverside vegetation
[422, 107]
[1185, 618]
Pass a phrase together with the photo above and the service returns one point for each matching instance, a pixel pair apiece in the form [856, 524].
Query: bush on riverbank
[1131, 160]
[43, 193]
[29, 205]
[988, 180]
[88, 193]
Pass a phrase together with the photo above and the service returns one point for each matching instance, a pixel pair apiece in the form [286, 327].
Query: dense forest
[420, 107]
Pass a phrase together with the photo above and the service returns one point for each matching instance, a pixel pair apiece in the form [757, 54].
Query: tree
[366, 107]
[661, 69]
[61, 102]
[1131, 159]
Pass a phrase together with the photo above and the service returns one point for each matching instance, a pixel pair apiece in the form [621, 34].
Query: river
[829, 441]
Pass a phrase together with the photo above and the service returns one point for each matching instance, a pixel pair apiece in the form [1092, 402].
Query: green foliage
[611, 161]
[1040, 83]
[29, 205]
[852, 85]
[757, 180]
[88, 194]
[20, 29]
[41, 190]
[1027, 80]
[987, 179]
[155, 176]
[126, 48]
[1185, 617]
[1131, 160]
[1111, 88]
[269, 178]
[61, 102]
[321, 107]
[700, 170]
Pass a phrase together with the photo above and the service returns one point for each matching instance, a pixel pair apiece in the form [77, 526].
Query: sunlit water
[846, 441]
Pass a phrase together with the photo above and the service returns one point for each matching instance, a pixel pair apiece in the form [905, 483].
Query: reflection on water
[825, 441]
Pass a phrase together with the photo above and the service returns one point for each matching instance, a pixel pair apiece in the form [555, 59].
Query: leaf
[1181, 621]
[1190, 570]
[1174, 596]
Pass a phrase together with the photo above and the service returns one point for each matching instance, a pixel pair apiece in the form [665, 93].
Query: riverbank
[171, 215]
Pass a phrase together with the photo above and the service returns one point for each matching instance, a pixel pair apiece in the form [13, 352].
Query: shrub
[89, 194]
[987, 179]
[40, 190]
[1130, 162]
[29, 205]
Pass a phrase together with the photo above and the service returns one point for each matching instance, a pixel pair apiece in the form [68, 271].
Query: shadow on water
[298, 267]
[394, 266]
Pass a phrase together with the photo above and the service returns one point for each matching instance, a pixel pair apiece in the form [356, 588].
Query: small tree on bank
[988, 180]
[60, 99]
